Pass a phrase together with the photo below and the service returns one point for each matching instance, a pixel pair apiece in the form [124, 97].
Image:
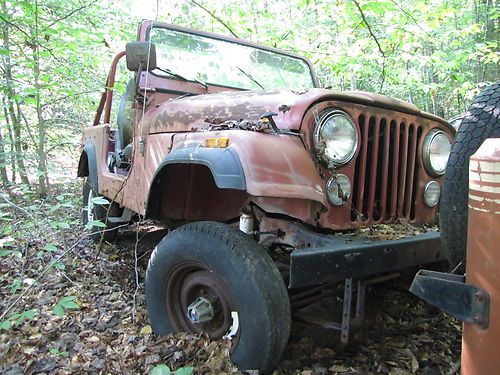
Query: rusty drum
[481, 346]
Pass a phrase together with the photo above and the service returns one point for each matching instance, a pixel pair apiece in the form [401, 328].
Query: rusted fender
[273, 165]
[198, 112]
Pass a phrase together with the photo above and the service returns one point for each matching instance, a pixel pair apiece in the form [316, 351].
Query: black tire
[97, 212]
[238, 263]
[481, 121]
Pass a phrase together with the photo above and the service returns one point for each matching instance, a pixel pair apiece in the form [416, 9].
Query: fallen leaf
[146, 330]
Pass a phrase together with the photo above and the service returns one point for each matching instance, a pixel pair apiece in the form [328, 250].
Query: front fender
[277, 166]
[265, 165]
[224, 164]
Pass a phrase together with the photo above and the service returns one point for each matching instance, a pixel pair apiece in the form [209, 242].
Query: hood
[201, 111]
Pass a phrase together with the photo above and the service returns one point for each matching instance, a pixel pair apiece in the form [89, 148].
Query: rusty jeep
[263, 179]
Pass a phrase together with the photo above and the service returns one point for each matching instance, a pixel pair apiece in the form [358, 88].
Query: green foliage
[58, 352]
[99, 200]
[184, 371]
[17, 318]
[161, 370]
[165, 370]
[65, 303]
[436, 54]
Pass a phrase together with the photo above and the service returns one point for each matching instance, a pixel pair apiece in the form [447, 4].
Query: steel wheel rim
[191, 280]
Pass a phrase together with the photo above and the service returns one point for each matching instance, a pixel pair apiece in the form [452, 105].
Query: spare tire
[481, 121]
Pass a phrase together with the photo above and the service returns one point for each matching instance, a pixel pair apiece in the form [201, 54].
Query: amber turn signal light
[222, 142]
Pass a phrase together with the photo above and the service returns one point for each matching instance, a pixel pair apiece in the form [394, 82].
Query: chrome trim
[426, 151]
[427, 185]
[328, 114]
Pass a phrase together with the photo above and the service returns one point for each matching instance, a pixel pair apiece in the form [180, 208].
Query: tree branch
[376, 41]
[216, 18]
[67, 15]
[15, 26]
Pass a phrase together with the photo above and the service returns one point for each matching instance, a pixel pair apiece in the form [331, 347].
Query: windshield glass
[226, 63]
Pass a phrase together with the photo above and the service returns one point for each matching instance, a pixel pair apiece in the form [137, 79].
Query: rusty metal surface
[360, 97]
[282, 174]
[191, 111]
[190, 280]
[107, 96]
[279, 172]
[480, 347]
[386, 159]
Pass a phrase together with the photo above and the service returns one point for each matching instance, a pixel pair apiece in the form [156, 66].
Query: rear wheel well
[189, 192]
[83, 165]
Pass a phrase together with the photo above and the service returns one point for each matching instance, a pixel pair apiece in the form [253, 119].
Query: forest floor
[67, 307]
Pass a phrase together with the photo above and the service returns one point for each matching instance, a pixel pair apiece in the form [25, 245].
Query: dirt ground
[109, 332]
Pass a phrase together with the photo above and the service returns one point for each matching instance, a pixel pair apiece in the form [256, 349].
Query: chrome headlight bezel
[437, 193]
[320, 145]
[338, 189]
[426, 152]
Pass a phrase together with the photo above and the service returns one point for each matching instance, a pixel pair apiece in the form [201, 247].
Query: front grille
[386, 171]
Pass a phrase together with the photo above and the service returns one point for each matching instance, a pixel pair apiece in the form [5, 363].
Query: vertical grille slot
[386, 170]
[360, 173]
[403, 152]
[373, 135]
[393, 171]
[415, 174]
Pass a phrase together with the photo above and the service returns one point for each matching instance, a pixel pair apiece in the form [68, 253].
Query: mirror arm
[138, 78]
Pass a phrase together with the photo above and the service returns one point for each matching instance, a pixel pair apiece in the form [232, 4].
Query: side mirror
[137, 54]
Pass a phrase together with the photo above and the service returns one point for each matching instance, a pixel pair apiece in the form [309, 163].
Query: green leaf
[59, 266]
[5, 325]
[58, 310]
[160, 370]
[50, 247]
[18, 318]
[67, 299]
[56, 351]
[30, 314]
[146, 330]
[63, 225]
[96, 223]
[15, 286]
[184, 371]
[99, 200]
[70, 305]
[4, 253]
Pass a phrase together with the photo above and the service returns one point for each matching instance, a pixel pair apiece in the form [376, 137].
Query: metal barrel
[481, 346]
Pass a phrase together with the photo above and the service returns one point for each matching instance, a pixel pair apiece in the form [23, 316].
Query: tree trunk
[4, 179]
[11, 141]
[15, 120]
[42, 128]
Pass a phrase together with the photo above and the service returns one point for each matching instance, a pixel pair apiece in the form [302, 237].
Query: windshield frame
[144, 35]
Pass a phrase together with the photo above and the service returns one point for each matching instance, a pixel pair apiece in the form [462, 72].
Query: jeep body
[251, 153]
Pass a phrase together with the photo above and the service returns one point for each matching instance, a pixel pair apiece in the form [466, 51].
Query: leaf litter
[92, 330]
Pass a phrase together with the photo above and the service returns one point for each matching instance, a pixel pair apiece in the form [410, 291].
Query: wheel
[209, 277]
[93, 212]
[481, 121]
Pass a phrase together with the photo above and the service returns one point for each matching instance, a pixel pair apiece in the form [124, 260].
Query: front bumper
[354, 257]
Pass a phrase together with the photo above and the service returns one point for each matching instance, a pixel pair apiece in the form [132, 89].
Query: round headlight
[335, 138]
[436, 151]
[432, 192]
[338, 189]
